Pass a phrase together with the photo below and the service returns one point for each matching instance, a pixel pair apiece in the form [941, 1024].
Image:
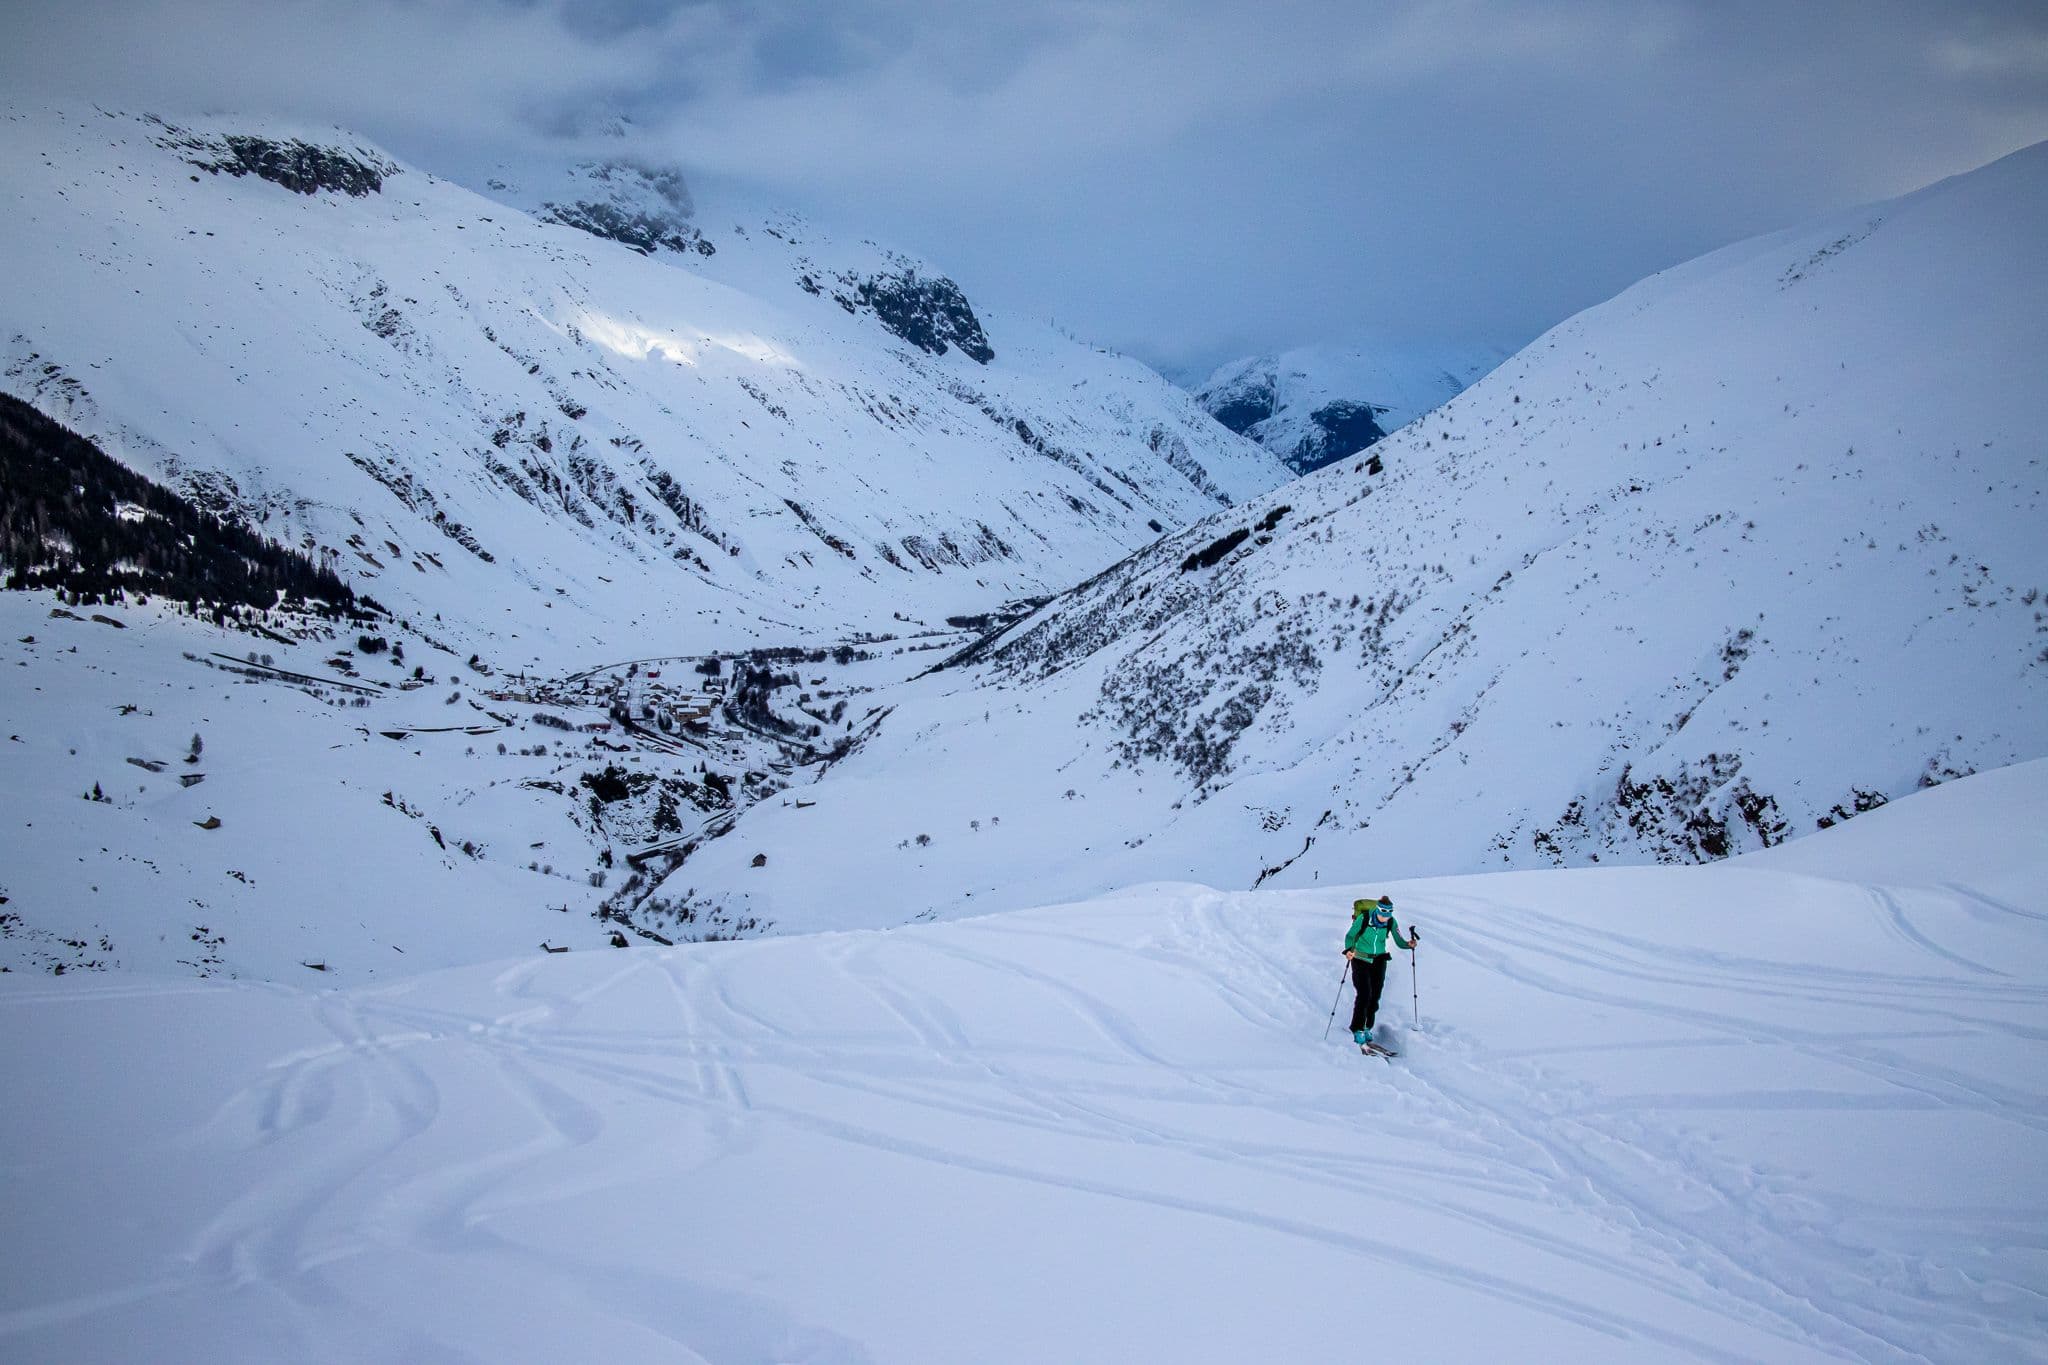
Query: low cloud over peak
[1185, 180]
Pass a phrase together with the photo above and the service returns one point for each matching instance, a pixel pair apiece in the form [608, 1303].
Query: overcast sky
[1188, 180]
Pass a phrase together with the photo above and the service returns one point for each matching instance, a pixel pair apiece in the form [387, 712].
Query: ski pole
[1414, 992]
[1338, 1001]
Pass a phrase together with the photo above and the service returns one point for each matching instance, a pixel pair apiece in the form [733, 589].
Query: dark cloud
[1182, 179]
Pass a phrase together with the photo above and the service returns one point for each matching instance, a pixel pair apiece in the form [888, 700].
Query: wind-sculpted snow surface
[1756, 1111]
[586, 431]
[1751, 548]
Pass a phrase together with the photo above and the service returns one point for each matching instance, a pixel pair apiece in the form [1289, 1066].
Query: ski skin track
[1144, 1070]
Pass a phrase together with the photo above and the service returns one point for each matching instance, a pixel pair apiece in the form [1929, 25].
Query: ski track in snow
[1156, 1055]
[1610, 1125]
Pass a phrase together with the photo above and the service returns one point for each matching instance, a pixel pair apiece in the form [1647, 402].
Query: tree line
[74, 518]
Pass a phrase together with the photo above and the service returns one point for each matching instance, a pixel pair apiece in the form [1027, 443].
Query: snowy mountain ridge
[514, 426]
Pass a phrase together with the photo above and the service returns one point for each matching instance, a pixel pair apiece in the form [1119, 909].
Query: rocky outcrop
[928, 311]
[647, 208]
[1337, 431]
[1243, 402]
[299, 166]
[645, 232]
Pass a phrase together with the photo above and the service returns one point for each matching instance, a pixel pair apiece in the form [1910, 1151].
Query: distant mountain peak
[1318, 405]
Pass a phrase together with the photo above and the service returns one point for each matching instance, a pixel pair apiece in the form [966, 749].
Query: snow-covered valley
[183, 798]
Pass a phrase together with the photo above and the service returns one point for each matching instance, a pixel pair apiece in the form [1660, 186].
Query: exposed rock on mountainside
[1241, 402]
[930, 314]
[300, 166]
[1337, 431]
[644, 232]
[646, 208]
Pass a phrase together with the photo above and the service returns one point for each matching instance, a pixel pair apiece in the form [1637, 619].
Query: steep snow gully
[1756, 1110]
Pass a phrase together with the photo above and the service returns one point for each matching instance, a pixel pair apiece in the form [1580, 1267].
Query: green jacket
[1370, 926]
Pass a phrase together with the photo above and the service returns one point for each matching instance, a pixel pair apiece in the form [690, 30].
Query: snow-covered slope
[1739, 1112]
[332, 847]
[1752, 546]
[1316, 405]
[553, 442]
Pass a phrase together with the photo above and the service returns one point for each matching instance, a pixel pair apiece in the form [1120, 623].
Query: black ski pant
[1368, 979]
